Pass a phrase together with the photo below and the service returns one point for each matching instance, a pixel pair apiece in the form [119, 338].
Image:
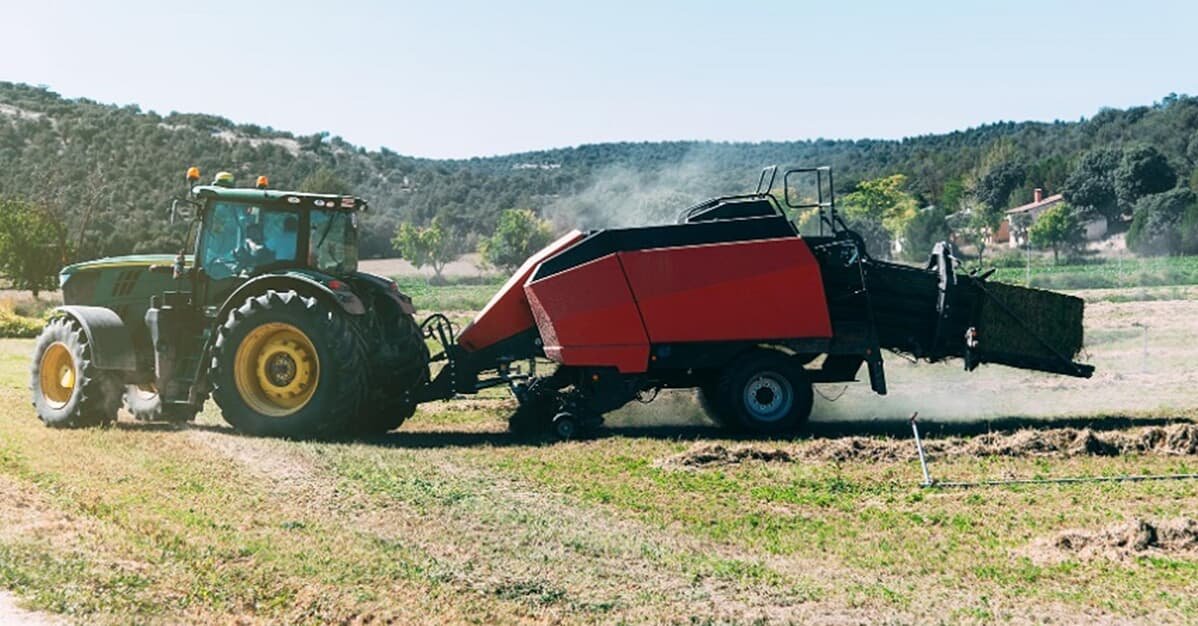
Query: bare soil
[1171, 440]
[12, 613]
[1132, 538]
[467, 266]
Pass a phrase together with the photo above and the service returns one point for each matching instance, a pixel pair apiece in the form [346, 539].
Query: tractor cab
[245, 232]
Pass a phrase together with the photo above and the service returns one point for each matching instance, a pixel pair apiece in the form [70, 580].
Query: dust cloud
[619, 196]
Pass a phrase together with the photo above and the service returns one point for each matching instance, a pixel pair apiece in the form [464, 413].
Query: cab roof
[287, 198]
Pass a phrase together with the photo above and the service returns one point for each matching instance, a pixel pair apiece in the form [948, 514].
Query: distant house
[1013, 229]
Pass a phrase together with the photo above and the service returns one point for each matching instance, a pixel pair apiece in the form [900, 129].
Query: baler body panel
[610, 310]
[587, 316]
[508, 313]
[742, 290]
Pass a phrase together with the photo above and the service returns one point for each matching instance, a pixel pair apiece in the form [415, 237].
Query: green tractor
[264, 309]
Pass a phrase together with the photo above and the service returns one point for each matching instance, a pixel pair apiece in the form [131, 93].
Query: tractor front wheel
[145, 405]
[764, 392]
[288, 365]
[69, 391]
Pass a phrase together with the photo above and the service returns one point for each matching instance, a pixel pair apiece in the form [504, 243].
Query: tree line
[106, 174]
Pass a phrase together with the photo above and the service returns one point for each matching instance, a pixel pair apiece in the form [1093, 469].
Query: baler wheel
[69, 391]
[534, 415]
[766, 392]
[288, 365]
[565, 426]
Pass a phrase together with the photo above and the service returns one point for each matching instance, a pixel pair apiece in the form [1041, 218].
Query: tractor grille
[125, 282]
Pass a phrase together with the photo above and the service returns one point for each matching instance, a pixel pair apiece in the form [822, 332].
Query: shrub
[13, 326]
[518, 235]
[1156, 227]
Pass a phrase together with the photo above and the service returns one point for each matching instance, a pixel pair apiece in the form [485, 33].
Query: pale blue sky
[457, 79]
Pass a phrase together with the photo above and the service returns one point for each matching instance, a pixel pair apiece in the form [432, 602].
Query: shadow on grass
[420, 439]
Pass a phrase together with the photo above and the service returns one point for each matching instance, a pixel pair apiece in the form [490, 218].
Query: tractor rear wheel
[288, 365]
[145, 405]
[397, 370]
[69, 391]
[765, 392]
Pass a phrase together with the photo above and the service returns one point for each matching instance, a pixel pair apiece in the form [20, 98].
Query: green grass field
[452, 520]
[1101, 274]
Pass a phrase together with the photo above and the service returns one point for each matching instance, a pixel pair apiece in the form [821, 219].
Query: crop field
[661, 518]
[1101, 273]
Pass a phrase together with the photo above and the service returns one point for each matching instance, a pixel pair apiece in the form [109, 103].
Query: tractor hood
[117, 262]
[119, 281]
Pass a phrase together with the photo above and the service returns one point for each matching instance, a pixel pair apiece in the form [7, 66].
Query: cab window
[333, 243]
[240, 238]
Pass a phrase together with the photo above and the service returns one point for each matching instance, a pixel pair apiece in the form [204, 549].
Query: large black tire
[396, 370]
[69, 391]
[250, 362]
[764, 392]
[145, 405]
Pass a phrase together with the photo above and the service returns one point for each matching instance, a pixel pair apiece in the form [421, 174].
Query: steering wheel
[221, 268]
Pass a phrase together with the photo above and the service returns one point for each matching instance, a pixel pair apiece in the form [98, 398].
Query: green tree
[517, 236]
[1189, 230]
[1156, 227]
[1142, 172]
[1192, 149]
[950, 199]
[32, 245]
[928, 227]
[879, 210]
[324, 180]
[427, 246]
[977, 221]
[995, 186]
[1058, 227]
[1091, 184]
[884, 199]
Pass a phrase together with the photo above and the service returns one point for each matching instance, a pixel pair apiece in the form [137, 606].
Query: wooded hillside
[110, 171]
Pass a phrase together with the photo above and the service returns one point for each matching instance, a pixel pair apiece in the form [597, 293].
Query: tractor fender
[303, 284]
[389, 289]
[112, 345]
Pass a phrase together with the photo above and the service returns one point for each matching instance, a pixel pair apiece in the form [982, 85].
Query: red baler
[734, 301]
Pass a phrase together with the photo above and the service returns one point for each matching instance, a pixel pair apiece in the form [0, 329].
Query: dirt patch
[469, 265]
[11, 613]
[1172, 440]
[706, 454]
[477, 404]
[26, 515]
[1136, 537]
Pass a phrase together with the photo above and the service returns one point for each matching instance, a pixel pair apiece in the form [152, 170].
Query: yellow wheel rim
[276, 369]
[57, 375]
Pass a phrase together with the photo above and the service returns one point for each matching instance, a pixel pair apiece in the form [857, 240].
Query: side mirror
[181, 210]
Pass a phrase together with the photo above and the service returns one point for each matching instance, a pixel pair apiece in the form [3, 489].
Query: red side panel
[764, 289]
[587, 316]
[507, 313]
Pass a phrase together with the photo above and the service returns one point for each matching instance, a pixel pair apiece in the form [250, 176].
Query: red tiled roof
[1050, 200]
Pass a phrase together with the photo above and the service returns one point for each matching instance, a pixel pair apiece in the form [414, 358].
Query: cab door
[240, 241]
